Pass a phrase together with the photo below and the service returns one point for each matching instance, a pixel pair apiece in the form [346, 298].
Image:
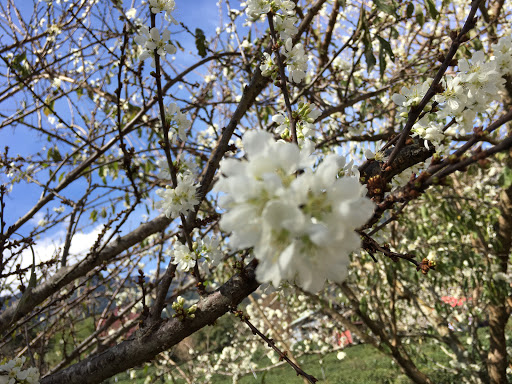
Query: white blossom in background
[256, 8]
[306, 115]
[287, 6]
[477, 84]
[150, 40]
[283, 123]
[301, 225]
[429, 130]
[453, 98]
[166, 6]
[179, 200]
[131, 13]
[183, 257]
[285, 26]
[187, 165]
[410, 97]
[284, 23]
[503, 55]
[207, 248]
[179, 123]
[13, 373]
[268, 67]
[480, 77]
[377, 155]
[296, 60]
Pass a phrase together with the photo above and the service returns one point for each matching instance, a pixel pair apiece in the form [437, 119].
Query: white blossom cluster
[166, 6]
[296, 60]
[256, 8]
[475, 86]
[150, 38]
[179, 123]
[300, 219]
[179, 200]
[13, 373]
[306, 116]
[503, 55]
[185, 165]
[207, 248]
[284, 20]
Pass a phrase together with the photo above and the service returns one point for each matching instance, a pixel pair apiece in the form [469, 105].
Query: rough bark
[497, 358]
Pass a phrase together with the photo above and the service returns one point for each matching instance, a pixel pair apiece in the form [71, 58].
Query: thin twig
[282, 355]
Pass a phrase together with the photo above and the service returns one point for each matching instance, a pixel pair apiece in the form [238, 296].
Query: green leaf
[94, 215]
[177, 43]
[201, 42]
[394, 33]
[382, 61]
[384, 44]
[370, 58]
[505, 178]
[19, 58]
[431, 8]
[387, 6]
[54, 154]
[363, 305]
[477, 44]
[420, 17]
[410, 10]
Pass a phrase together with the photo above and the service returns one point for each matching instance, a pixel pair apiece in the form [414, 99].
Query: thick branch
[149, 342]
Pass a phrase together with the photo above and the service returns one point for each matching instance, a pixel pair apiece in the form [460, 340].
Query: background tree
[149, 168]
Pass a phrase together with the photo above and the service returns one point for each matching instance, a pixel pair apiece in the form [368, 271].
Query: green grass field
[363, 364]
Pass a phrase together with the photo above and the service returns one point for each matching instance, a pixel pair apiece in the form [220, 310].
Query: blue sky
[22, 141]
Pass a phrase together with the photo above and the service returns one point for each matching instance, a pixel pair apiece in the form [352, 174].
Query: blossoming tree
[346, 162]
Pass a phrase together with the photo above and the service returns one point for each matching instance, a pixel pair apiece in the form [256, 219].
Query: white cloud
[48, 247]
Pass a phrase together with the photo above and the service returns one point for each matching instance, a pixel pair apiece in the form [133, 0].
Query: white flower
[503, 55]
[378, 155]
[429, 131]
[150, 40]
[283, 123]
[340, 64]
[454, 96]
[166, 6]
[179, 200]
[296, 61]
[130, 14]
[13, 372]
[410, 97]
[285, 26]
[209, 247]
[256, 8]
[306, 116]
[183, 257]
[267, 67]
[301, 225]
[341, 355]
[179, 123]
[286, 6]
